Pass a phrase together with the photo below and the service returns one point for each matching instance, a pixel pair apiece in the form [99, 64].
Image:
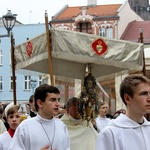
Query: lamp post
[33, 83]
[8, 21]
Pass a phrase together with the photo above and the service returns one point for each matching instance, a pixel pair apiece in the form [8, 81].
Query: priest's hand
[45, 147]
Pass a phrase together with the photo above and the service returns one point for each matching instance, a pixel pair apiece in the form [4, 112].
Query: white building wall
[126, 15]
[119, 103]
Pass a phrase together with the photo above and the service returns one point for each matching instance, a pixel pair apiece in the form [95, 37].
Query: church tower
[141, 7]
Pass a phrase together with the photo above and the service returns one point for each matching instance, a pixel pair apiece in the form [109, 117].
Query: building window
[1, 57]
[27, 82]
[102, 32]
[40, 80]
[84, 27]
[11, 83]
[109, 32]
[106, 32]
[1, 83]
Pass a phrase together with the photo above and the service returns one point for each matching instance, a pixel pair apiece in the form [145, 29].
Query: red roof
[99, 10]
[132, 31]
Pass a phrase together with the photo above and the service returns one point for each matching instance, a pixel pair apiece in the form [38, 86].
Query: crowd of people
[48, 128]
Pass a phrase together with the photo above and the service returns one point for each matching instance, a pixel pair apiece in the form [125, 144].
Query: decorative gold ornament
[88, 100]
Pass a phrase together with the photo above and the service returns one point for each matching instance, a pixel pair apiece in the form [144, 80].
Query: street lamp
[8, 21]
[33, 83]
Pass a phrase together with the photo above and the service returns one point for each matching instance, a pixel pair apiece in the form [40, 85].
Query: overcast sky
[32, 11]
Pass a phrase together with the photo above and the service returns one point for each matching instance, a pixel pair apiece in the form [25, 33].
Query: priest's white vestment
[123, 133]
[82, 137]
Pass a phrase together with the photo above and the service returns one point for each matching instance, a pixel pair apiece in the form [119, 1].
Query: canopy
[72, 51]
[147, 58]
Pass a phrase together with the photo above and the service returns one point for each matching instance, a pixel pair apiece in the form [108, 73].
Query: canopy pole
[13, 68]
[49, 49]
[142, 41]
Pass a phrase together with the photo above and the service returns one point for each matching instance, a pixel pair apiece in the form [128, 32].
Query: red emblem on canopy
[29, 49]
[99, 46]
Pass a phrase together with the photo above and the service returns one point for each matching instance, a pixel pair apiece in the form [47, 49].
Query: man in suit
[32, 111]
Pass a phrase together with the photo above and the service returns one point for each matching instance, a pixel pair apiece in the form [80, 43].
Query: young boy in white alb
[43, 132]
[131, 130]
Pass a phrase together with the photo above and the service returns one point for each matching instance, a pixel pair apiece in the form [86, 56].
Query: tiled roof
[132, 31]
[99, 10]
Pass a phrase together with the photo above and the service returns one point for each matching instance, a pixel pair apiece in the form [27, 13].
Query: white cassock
[82, 137]
[101, 123]
[2, 127]
[123, 133]
[5, 140]
[37, 132]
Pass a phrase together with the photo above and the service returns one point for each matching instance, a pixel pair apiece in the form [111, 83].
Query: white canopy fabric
[147, 58]
[72, 51]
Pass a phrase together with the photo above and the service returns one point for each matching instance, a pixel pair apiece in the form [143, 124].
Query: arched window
[106, 32]
[84, 27]
[102, 32]
[109, 32]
